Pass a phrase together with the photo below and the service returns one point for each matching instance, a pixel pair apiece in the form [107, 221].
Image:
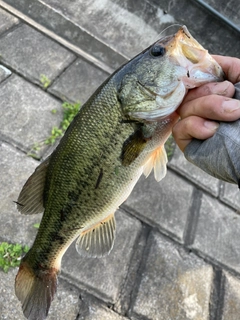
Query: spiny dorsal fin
[98, 240]
[30, 199]
[158, 160]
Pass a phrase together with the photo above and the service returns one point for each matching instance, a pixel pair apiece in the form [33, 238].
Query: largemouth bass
[118, 134]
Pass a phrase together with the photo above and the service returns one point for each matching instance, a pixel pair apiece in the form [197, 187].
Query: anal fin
[97, 241]
[157, 160]
[30, 199]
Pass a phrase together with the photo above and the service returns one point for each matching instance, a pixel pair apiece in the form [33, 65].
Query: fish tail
[35, 290]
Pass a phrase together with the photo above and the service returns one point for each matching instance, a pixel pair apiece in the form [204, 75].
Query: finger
[193, 127]
[231, 67]
[212, 107]
[224, 88]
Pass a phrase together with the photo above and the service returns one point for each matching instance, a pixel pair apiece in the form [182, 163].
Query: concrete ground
[177, 252]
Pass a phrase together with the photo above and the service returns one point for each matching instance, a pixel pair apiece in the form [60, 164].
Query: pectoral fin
[30, 199]
[157, 160]
[97, 241]
[132, 147]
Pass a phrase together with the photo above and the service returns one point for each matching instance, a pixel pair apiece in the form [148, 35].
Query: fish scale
[118, 134]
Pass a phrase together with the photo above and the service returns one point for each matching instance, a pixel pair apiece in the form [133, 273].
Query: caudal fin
[35, 290]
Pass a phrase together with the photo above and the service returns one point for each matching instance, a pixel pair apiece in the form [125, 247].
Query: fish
[117, 136]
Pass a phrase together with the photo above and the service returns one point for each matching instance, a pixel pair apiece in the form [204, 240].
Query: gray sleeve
[219, 155]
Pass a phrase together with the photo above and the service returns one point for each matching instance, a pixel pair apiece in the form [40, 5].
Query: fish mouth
[198, 64]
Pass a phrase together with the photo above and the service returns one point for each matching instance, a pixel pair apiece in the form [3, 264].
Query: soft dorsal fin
[158, 160]
[97, 241]
[30, 199]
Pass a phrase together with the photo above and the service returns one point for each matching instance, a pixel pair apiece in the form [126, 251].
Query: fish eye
[157, 50]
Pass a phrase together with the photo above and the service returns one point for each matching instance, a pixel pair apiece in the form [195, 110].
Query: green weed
[45, 81]
[69, 112]
[10, 255]
[55, 134]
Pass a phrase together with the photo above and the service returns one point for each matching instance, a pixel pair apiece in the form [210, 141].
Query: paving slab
[193, 173]
[72, 34]
[121, 306]
[171, 284]
[4, 73]
[165, 204]
[210, 30]
[231, 306]
[91, 309]
[64, 306]
[229, 10]
[218, 225]
[230, 195]
[34, 55]
[137, 27]
[104, 277]
[126, 32]
[78, 82]
[7, 21]
[25, 113]
[96, 27]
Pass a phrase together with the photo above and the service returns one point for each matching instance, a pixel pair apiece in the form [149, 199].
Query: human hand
[207, 103]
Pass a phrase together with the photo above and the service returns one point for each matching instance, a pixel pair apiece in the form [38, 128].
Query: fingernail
[211, 125]
[231, 105]
[221, 88]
